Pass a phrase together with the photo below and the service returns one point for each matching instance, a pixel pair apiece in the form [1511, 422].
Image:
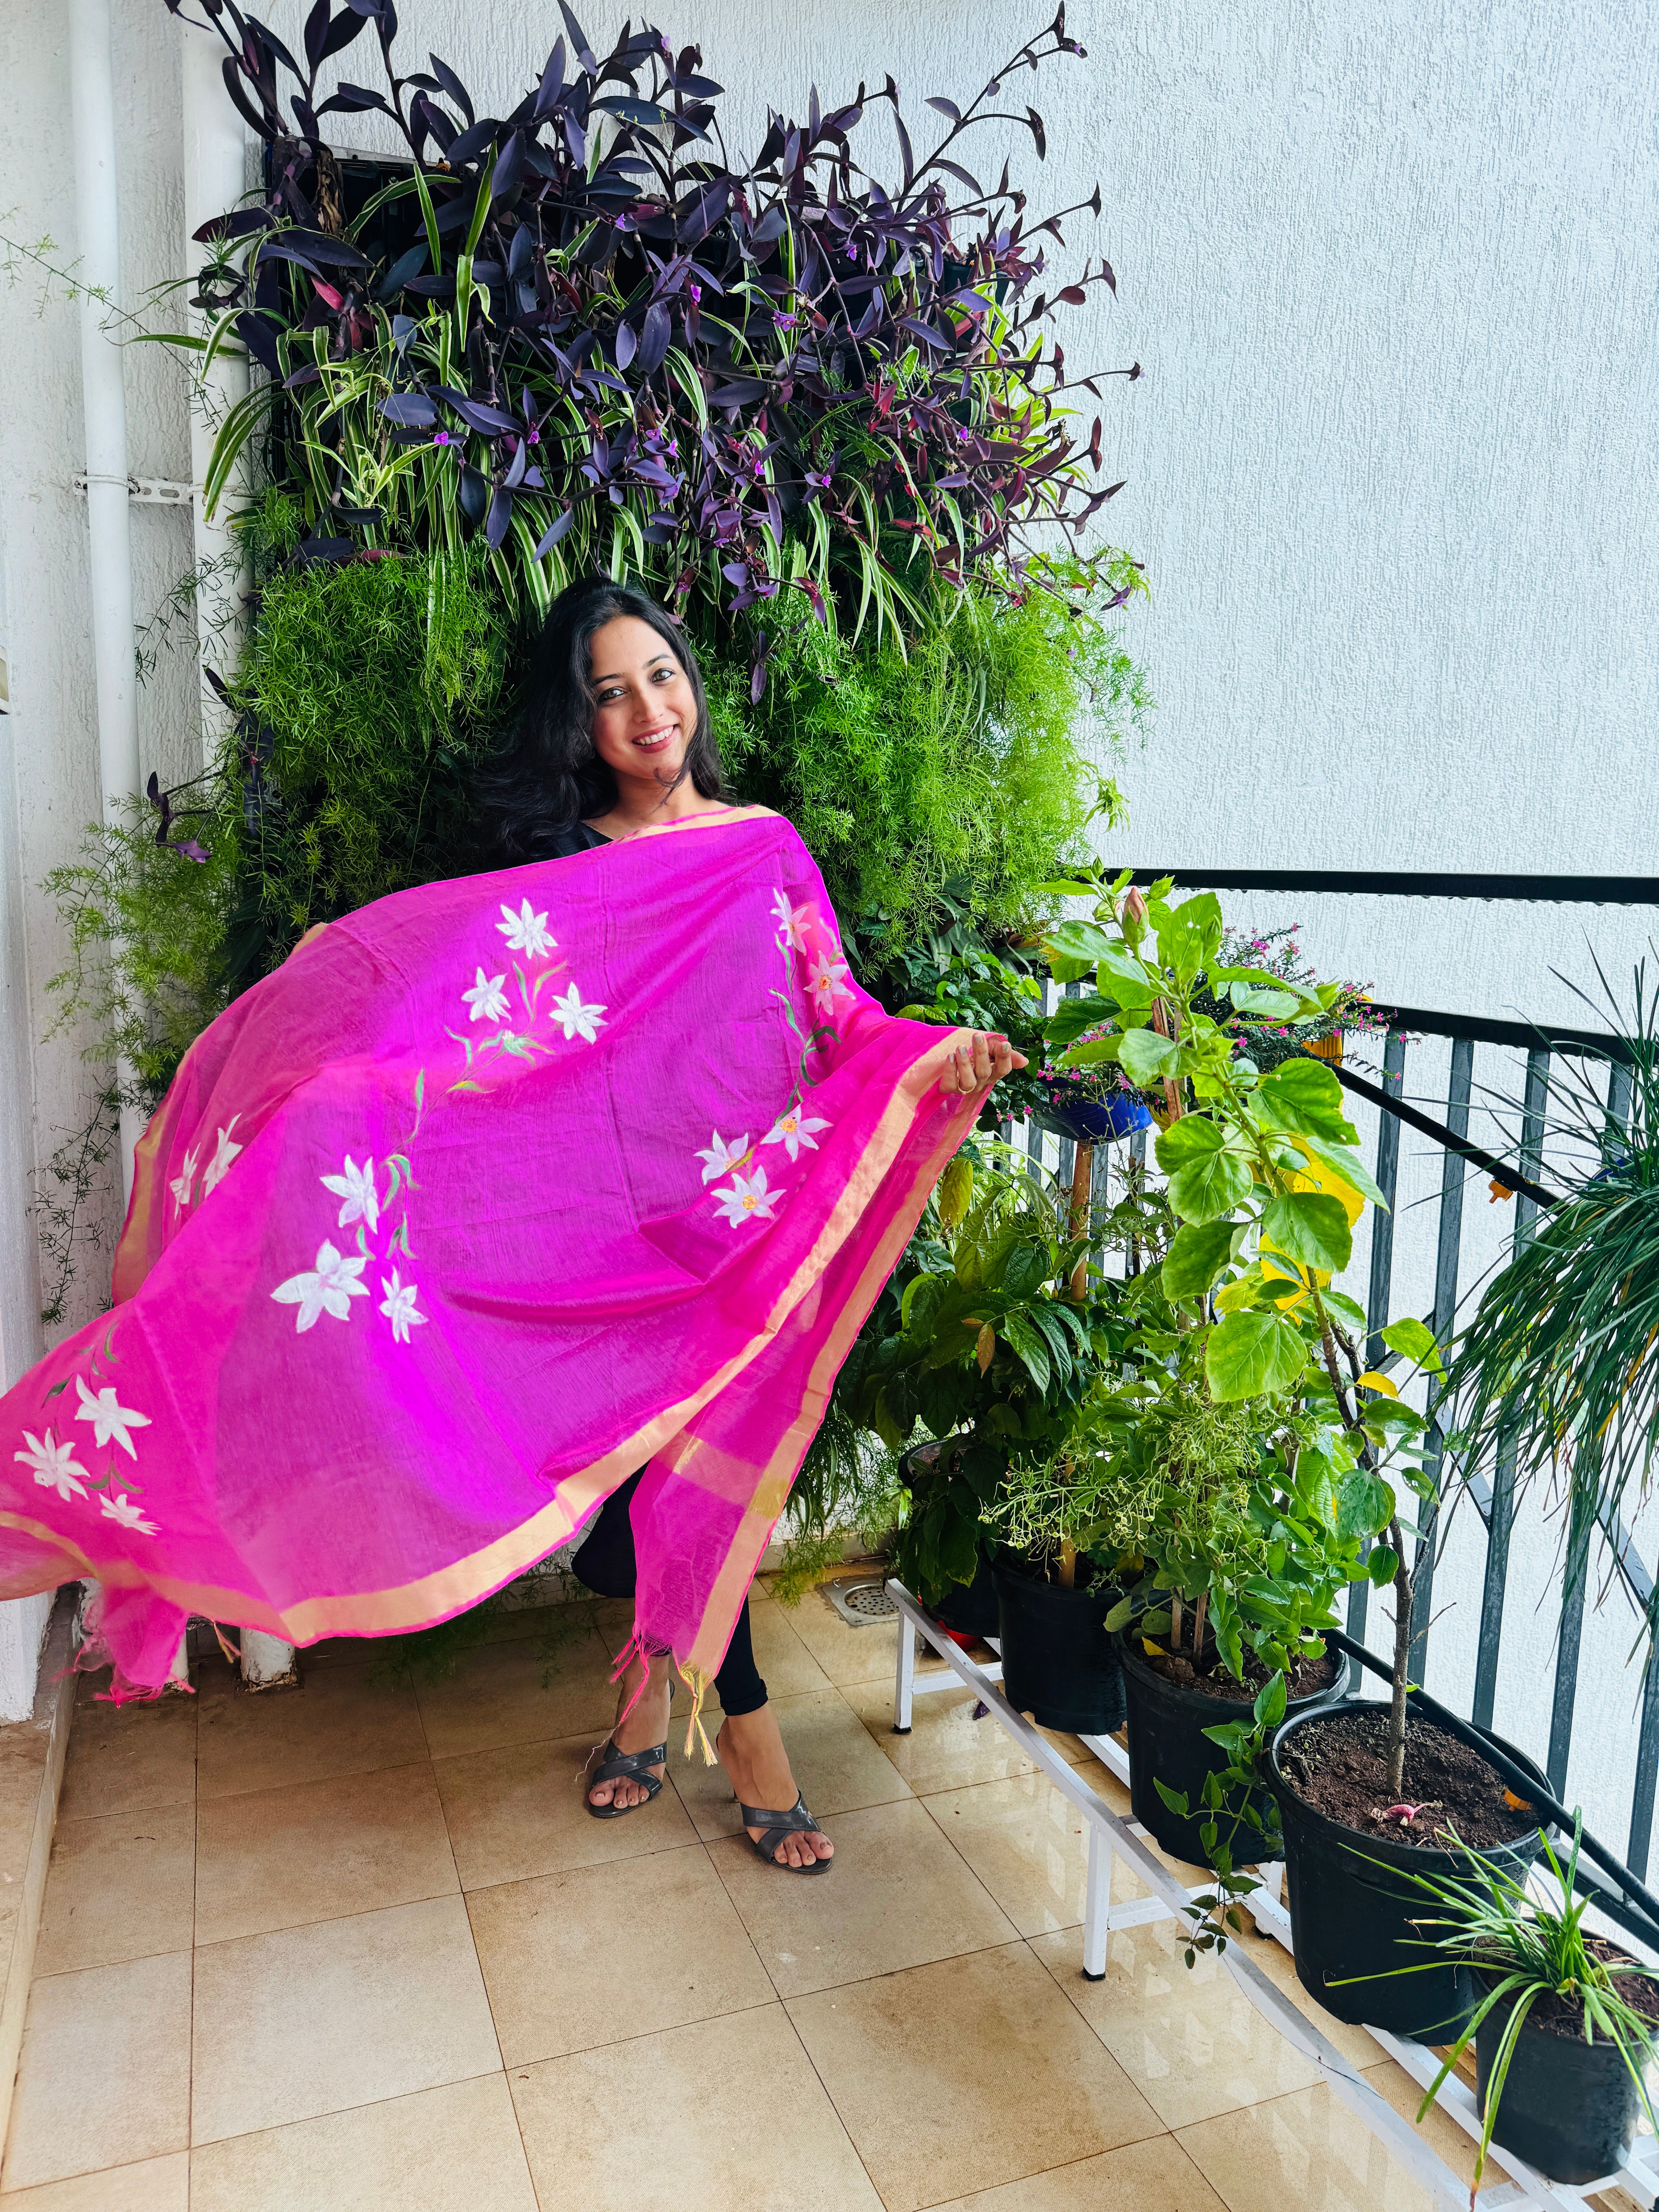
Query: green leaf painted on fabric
[1250, 1355]
[1311, 1228]
[1196, 1257]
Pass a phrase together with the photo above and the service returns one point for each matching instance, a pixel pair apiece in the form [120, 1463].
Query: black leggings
[606, 1564]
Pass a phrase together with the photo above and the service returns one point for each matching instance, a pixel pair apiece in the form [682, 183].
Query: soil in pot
[1060, 1662]
[1354, 1909]
[1569, 2107]
[1171, 1703]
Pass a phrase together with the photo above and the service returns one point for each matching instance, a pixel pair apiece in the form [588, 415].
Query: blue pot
[1097, 1121]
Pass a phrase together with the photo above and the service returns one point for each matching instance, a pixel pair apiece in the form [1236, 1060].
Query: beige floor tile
[429, 2153]
[119, 1887]
[337, 1722]
[1190, 2038]
[130, 1759]
[897, 1895]
[156, 2185]
[497, 1696]
[947, 1748]
[966, 2073]
[847, 1654]
[837, 1766]
[316, 2019]
[1027, 1842]
[606, 1952]
[725, 2117]
[1306, 2153]
[1155, 2176]
[357, 1843]
[105, 2075]
[788, 1667]
[521, 1810]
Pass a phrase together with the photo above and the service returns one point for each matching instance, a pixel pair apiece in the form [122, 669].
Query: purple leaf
[509, 176]
[653, 338]
[257, 335]
[948, 108]
[500, 517]
[474, 495]
[453, 85]
[626, 343]
[551, 537]
[412, 409]
[552, 83]
[1039, 134]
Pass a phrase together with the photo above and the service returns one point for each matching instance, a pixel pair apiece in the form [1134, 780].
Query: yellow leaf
[1152, 1650]
[1318, 1176]
[986, 1346]
[1370, 1380]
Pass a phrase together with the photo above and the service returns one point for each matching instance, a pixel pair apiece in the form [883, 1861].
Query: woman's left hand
[980, 1060]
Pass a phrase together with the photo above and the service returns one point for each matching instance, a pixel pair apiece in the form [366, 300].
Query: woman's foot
[750, 1749]
[648, 1725]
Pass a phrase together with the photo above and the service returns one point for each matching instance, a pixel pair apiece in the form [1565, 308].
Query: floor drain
[860, 1604]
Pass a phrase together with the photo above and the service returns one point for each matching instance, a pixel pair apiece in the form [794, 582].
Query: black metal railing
[1520, 1170]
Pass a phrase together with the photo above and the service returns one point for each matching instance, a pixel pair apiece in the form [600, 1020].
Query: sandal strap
[629, 1766]
[778, 1825]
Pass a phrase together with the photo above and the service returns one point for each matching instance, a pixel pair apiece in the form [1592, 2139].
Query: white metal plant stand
[1111, 1834]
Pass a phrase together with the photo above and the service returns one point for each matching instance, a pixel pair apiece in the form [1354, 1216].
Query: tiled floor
[358, 1948]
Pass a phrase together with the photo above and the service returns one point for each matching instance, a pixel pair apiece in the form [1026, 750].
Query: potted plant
[1564, 2024]
[1265, 1175]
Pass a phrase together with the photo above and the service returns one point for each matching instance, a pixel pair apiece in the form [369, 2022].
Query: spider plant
[1529, 1947]
[1559, 1367]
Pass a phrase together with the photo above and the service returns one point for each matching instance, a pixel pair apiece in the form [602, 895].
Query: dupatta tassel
[697, 1682]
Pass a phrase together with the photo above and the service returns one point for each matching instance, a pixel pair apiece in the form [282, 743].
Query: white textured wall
[1391, 275]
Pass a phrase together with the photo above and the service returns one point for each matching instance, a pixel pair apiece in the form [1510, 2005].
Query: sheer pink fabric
[495, 1191]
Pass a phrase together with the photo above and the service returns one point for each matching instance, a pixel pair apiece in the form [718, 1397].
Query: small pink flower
[442, 438]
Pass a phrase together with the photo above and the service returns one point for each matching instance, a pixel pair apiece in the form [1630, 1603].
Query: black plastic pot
[971, 1608]
[1352, 1907]
[1568, 2107]
[1060, 1662]
[1167, 1744]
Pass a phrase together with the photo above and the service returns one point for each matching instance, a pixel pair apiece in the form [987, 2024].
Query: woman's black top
[564, 844]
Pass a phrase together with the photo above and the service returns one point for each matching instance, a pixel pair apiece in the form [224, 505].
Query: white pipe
[103, 403]
[214, 175]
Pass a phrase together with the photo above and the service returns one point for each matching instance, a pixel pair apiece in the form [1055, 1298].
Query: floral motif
[792, 921]
[399, 1307]
[747, 1199]
[792, 1130]
[823, 980]
[721, 1156]
[576, 1019]
[355, 1189]
[329, 1288]
[526, 932]
[180, 1184]
[110, 1419]
[54, 1465]
[219, 1166]
[122, 1509]
[487, 1000]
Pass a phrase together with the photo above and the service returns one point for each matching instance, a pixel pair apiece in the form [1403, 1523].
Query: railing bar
[1566, 1654]
[1388, 1178]
[1647, 1766]
[1445, 1310]
[1499, 1514]
[1551, 890]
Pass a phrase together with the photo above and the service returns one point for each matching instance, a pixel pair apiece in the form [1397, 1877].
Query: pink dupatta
[495, 1191]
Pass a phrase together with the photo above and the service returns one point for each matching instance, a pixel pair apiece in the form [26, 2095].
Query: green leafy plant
[1527, 1947]
[1558, 1371]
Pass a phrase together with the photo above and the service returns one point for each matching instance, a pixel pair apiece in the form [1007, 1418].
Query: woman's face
[645, 714]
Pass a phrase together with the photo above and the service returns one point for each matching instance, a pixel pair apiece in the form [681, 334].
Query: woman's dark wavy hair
[550, 778]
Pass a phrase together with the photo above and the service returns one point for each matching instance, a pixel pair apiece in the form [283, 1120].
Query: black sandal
[626, 1766]
[796, 1821]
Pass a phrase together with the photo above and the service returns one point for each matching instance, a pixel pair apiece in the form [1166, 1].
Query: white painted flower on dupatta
[526, 932]
[793, 1130]
[721, 1156]
[792, 921]
[54, 1466]
[823, 980]
[355, 1190]
[110, 1419]
[219, 1166]
[747, 1199]
[399, 1307]
[130, 1516]
[180, 1184]
[329, 1288]
[576, 1019]
[487, 1000]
